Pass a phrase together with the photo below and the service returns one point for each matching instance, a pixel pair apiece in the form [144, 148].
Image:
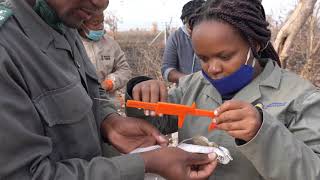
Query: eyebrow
[223, 52]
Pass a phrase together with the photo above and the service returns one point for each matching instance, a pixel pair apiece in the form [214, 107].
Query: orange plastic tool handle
[142, 105]
[173, 109]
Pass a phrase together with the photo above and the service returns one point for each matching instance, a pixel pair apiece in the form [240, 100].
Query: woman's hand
[239, 119]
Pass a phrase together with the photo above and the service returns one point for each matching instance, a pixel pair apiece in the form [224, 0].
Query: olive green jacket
[50, 120]
[287, 146]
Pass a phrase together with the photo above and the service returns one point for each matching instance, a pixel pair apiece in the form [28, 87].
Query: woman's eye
[224, 57]
[204, 59]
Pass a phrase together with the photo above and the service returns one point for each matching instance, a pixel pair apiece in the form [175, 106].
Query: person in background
[268, 117]
[106, 55]
[52, 121]
[109, 61]
[179, 58]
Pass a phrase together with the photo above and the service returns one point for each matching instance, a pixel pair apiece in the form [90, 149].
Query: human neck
[82, 33]
[257, 68]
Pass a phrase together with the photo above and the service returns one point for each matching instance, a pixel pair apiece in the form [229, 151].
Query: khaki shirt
[50, 121]
[109, 60]
[287, 146]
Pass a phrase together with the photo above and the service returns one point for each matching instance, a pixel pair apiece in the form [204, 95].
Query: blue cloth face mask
[234, 82]
[94, 35]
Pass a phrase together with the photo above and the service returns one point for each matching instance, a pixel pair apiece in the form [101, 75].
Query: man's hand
[239, 119]
[174, 163]
[127, 133]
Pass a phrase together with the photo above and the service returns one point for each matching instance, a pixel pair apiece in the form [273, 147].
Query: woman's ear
[257, 47]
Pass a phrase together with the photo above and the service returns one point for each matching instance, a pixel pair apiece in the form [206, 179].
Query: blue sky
[142, 13]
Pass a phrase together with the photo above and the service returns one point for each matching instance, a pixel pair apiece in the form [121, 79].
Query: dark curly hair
[189, 8]
[246, 16]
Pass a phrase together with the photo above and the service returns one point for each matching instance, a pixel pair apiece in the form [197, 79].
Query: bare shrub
[143, 59]
[146, 60]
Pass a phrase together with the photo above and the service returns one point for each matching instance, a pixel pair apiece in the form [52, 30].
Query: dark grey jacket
[50, 121]
[179, 55]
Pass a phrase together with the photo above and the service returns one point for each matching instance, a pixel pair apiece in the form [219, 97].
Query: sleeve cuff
[241, 142]
[259, 137]
[106, 110]
[135, 81]
[259, 146]
[130, 166]
[166, 73]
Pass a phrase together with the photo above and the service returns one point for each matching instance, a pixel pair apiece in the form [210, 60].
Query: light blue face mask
[95, 35]
[234, 82]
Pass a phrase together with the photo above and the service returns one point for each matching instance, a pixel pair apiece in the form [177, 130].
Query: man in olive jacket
[52, 125]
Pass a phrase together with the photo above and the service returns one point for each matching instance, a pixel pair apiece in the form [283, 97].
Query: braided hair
[246, 16]
[189, 8]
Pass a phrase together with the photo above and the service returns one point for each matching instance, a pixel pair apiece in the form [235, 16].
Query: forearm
[278, 154]
[121, 74]
[108, 123]
[119, 78]
[107, 107]
[170, 58]
[33, 155]
[165, 124]
[174, 76]
[99, 168]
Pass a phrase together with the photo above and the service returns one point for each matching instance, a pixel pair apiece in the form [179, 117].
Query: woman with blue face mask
[267, 117]
[234, 82]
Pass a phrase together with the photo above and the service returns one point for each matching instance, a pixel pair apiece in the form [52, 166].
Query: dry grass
[146, 60]
[143, 59]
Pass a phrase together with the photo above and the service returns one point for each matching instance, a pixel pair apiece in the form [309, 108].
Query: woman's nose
[215, 67]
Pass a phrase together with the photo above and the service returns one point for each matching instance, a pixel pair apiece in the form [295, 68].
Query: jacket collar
[185, 31]
[35, 28]
[269, 77]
